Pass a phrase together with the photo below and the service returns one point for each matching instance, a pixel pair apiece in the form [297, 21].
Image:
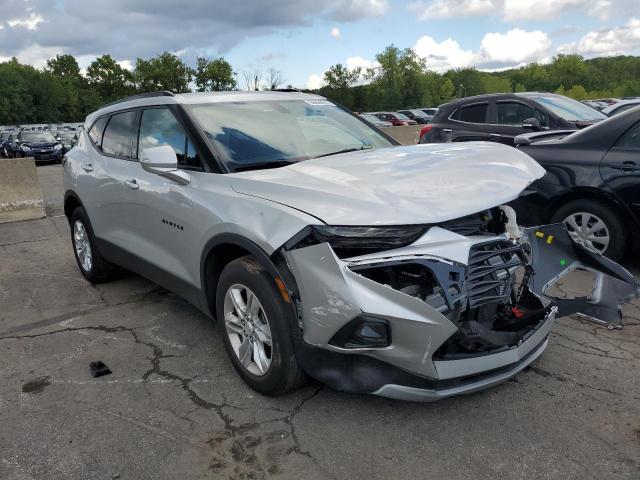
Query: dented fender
[554, 254]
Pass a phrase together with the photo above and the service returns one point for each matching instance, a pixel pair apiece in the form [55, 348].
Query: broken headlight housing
[353, 241]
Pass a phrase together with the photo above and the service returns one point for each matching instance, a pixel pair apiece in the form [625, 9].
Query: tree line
[403, 80]
[60, 92]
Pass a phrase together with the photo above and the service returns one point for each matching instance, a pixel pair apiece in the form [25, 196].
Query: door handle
[132, 184]
[626, 167]
[447, 130]
[495, 135]
[87, 167]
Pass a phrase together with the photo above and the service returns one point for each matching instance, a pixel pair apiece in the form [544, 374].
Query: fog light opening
[363, 332]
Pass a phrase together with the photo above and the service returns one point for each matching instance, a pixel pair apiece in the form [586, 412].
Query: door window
[631, 139]
[476, 113]
[119, 133]
[513, 113]
[160, 127]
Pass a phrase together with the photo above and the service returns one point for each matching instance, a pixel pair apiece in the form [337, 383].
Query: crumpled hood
[399, 185]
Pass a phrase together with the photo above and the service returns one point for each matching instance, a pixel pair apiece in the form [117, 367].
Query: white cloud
[314, 82]
[30, 23]
[610, 41]
[515, 46]
[514, 10]
[496, 51]
[444, 55]
[347, 10]
[335, 32]
[35, 55]
[126, 64]
[359, 62]
[450, 8]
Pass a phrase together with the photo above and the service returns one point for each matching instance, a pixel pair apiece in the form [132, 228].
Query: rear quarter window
[96, 131]
[475, 113]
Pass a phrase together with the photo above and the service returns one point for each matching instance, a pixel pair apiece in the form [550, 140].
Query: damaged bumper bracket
[554, 255]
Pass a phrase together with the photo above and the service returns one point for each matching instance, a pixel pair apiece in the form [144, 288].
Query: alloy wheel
[82, 246]
[248, 329]
[588, 230]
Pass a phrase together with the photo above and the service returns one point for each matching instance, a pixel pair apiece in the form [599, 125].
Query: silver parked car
[322, 247]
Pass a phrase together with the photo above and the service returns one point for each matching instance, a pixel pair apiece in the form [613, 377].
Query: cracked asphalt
[174, 407]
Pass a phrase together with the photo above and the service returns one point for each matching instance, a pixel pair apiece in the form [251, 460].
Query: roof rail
[160, 93]
[288, 89]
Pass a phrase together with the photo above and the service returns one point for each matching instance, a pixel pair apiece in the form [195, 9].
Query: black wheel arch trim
[268, 262]
[71, 194]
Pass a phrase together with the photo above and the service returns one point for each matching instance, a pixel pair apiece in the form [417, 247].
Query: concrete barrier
[405, 135]
[20, 194]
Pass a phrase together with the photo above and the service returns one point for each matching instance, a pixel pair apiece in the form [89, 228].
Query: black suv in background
[500, 117]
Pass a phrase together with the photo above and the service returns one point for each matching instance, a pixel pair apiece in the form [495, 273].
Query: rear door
[507, 119]
[620, 168]
[469, 123]
[108, 168]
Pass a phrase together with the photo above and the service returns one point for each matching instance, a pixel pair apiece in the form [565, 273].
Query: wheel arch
[218, 252]
[586, 193]
[71, 202]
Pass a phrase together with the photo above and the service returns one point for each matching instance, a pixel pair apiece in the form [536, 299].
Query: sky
[303, 38]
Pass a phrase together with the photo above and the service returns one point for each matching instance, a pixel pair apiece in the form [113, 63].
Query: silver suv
[324, 248]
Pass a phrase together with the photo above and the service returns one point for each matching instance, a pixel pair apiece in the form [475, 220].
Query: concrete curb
[20, 194]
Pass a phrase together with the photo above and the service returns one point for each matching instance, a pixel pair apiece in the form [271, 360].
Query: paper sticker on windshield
[321, 102]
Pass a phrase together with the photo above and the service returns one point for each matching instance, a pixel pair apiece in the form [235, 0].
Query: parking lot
[175, 408]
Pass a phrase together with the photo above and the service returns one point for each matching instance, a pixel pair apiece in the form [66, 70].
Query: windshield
[400, 116]
[259, 133]
[569, 109]
[38, 137]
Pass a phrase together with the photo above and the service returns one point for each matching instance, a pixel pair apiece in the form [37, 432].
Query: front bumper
[465, 386]
[332, 294]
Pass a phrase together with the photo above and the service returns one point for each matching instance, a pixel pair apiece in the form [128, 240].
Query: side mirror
[163, 161]
[531, 124]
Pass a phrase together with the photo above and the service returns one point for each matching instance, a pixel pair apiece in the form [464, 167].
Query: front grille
[492, 266]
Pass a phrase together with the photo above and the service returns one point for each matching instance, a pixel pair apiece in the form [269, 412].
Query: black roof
[492, 96]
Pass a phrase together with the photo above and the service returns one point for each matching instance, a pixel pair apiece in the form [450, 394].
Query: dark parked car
[4, 136]
[502, 116]
[416, 115]
[68, 139]
[592, 183]
[40, 145]
[396, 119]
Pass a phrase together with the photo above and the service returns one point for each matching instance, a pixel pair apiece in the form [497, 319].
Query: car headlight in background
[57, 147]
[25, 148]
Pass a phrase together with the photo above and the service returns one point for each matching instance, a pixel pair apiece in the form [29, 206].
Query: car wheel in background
[94, 268]
[255, 322]
[595, 226]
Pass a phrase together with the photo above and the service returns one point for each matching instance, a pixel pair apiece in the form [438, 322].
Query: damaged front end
[426, 312]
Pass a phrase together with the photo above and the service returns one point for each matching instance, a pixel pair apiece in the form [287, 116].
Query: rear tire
[586, 213]
[90, 262]
[271, 369]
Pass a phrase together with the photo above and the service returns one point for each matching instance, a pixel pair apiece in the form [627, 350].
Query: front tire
[256, 323]
[594, 225]
[90, 262]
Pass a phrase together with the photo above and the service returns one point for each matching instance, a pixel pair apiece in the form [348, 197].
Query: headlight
[25, 148]
[57, 147]
[354, 241]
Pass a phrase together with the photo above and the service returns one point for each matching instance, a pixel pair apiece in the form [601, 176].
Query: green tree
[163, 72]
[65, 66]
[577, 92]
[214, 75]
[339, 80]
[568, 70]
[109, 79]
